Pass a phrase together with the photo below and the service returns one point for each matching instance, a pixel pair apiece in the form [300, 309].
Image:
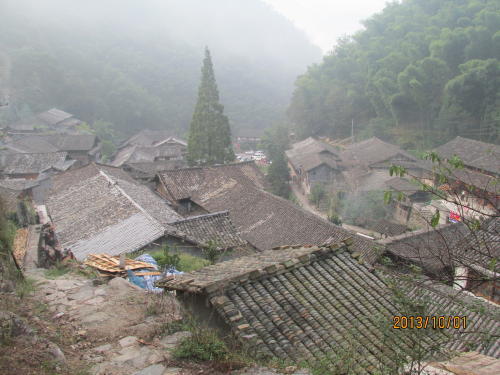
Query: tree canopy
[422, 72]
[209, 134]
[275, 142]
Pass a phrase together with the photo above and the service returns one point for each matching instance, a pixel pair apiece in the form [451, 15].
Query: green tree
[475, 92]
[423, 82]
[275, 142]
[209, 139]
[105, 132]
[212, 251]
[278, 176]
[318, 193]
[412, 68]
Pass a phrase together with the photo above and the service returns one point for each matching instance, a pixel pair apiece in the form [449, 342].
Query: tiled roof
[51, 117]
[17, 184]
[482, 246]
[149, 200]
[31, 144]
[303, 303]
[198, 181]
[313, 144]
[99, 209]
[429, 248]
[372, 151]
[267, 221]
[54, 116]
[261, 218]
[72, 142]
[402, 185]
[477, 154]
[388, 228]
[139, 154]
[220, 275]
[15, 163]
[311, 153]
[150, 169]
[309, 161]
[148, 137]
[210, 227]
[26, 124]
[361, 179]
[127, 235]
[474, 179]
[448, 245]
[54, 142]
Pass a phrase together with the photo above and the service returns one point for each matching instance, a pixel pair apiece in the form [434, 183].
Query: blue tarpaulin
[148, 281]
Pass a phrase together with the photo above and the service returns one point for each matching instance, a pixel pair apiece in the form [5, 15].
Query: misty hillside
[137, 63]
[421, 73]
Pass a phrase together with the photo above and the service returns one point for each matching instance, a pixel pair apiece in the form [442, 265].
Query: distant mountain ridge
[137, 64]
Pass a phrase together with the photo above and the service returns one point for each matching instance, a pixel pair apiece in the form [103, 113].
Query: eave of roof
[309, 304]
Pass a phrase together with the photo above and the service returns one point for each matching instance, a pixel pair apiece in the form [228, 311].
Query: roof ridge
[212, 166]
[40, 153]
[390, 240]
[137, 205]
[261, 269]
[219, 213]
[458, 137]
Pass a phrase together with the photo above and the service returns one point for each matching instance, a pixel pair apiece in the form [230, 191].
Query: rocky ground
[76, 325]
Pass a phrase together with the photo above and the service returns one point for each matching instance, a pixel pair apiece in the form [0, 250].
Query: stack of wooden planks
[110, 265]
[20, 246]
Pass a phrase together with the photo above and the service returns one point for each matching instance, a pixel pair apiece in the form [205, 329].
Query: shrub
[211, 252]
[166, 259]
[335, 219]
[203, 345]
[185, 263]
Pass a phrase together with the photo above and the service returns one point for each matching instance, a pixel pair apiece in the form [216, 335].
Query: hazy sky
[326, 20]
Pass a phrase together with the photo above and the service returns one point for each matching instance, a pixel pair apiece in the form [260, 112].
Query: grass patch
[190, 263]
[186, 263]
[203, 345]
[58, 270]
[176, 326]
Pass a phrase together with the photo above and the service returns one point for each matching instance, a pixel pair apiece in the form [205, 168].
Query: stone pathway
[118, 334]
[120, 327]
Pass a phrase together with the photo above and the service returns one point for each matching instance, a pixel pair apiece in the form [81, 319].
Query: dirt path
[304, 202]
[306, 205]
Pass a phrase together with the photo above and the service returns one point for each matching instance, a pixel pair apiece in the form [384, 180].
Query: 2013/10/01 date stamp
[429, 321]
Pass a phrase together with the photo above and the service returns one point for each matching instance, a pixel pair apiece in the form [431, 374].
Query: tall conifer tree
[209, 134]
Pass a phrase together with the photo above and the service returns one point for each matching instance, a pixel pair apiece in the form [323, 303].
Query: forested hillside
[137, 63]
[420, 73]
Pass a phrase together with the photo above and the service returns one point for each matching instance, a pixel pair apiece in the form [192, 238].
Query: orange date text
[429, 321]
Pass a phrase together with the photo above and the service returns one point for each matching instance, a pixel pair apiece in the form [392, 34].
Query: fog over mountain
[137, 63]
